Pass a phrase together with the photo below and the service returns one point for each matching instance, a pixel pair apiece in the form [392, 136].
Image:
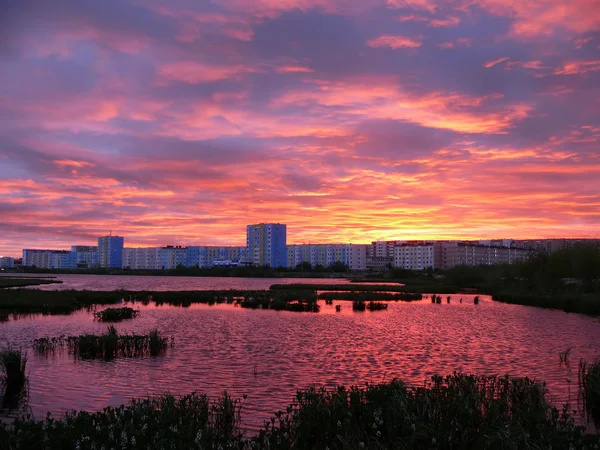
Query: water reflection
[270, 354]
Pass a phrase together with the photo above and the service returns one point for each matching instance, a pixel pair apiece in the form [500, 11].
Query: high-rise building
[110, 252]
[267, 244]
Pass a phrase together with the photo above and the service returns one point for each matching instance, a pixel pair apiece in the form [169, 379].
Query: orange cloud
[393, 42]
[293, 69]
[195, 73]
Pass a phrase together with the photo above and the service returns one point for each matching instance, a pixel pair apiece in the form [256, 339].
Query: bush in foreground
[455, 412]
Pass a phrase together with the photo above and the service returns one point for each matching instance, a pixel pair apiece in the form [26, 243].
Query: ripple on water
[268, 355]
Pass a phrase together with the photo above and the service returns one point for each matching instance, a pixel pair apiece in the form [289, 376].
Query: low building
[414, 256]
[83, 257]
[46, 259]
[6, 262]
[352, 255]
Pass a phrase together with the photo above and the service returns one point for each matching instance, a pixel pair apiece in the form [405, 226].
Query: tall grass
[589, 390]
[563, 357]
[116, 314]
[13, 365]
[366, 296]
[108, 345]
[454, 412]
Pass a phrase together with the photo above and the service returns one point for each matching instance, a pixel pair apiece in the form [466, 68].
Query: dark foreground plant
[115, 314]
[106, 346]
[589, 390]
[13, 364]
[455, 412]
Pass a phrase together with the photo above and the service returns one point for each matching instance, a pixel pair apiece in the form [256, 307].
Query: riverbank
[457, 411]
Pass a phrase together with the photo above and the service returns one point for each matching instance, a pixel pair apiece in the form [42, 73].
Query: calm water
[140, 283]
[220, 347]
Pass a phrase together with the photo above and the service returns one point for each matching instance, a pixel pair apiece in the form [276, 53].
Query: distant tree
[304, 266]
[338, 266]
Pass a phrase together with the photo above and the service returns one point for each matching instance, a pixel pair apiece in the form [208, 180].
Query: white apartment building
[46, 259]
[353, 255]
[414, 256]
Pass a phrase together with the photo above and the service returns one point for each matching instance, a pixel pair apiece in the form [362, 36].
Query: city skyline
[348, 120]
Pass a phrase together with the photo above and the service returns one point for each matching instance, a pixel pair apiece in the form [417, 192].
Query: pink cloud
[492, 63]
[394, 42]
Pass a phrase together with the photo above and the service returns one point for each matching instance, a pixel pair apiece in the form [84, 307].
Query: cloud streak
[180, 122]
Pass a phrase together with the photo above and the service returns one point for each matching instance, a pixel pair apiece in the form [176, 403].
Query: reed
[107, 346]
[116, 314]
[9, 282]
[589, 390]
[377, 306]
[448, 299]
[453, 412]
[367, 296]
[13, 365]
[476, 300]
[563, 357]
[359, 305]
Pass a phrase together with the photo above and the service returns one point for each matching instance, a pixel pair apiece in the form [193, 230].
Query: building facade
[6, 262]
[414, 256]
[452, 254]
[352, 255]
[83, 257]
[110, 252]
[266, 244]
[46, 259]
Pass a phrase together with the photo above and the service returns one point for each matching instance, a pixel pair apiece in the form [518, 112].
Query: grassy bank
[31, 301]
[115, 314]
[6, 282]
[455, 412]
[364, 296]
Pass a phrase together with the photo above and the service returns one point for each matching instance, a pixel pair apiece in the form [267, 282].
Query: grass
[563, 357]
[108, 345]
[31, 301]
[454, 412]
[338, 287]
[361, 305]
[361, 295]
[115, 314]
[7, 282]
[13, 364]
[569, 302]
[589, 390]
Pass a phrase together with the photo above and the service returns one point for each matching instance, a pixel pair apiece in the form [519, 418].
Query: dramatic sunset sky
[179, 122]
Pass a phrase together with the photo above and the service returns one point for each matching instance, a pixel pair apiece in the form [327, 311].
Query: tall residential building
[267, 244]
[110, 252]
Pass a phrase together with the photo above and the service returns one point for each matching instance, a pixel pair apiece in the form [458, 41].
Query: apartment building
[83, 257]
[46, 259]
[352, 255]
[110, 252]
[451, 254]
[6, 262]
[414, 256]
[267, 244]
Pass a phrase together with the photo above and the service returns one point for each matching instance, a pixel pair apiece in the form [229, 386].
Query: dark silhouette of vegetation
[362, 295]
[589, 390]
[6, 282]
[455, 412]
[13, 365]
[115, 314]
[108, 345]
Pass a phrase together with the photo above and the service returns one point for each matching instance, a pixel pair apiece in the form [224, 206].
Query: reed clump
[589, 390]
[563, 357]
[13, 365]
[116, 314]
[108, 345]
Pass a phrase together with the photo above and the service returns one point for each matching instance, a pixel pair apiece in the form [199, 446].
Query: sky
[182, 121]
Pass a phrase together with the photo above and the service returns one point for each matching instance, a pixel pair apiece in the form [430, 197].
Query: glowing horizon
[348, 120]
